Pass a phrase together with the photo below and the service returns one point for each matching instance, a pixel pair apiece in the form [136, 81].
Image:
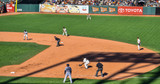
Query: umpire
[100, 68]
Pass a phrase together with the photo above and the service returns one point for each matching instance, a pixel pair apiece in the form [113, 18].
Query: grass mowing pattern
[12, 53]
[119, 28]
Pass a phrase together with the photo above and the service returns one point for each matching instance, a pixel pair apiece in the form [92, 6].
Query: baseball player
[25, 34]
[65, 31]
[100, 68]
[86, 62]
[138, 42]
[58, 40]
[88, 17]
[67, 73]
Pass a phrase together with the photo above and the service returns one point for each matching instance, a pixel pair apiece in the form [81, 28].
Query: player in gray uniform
[65, 31]
[25, 34]
[88, 17]
[67, 73]
[138, 42]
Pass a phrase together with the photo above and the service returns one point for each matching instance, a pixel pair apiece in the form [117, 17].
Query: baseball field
[111, 39]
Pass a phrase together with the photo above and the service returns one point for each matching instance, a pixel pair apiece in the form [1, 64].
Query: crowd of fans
[1, 7]
[147, 3]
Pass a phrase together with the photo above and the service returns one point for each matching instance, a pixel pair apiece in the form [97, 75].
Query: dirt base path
[121, 60]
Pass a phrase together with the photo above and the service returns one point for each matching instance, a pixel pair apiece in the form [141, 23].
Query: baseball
[12, 72]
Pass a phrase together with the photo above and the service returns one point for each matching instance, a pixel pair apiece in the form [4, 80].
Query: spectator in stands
[1, 7]
[151, 3]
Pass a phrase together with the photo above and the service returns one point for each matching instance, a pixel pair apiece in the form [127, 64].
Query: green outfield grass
[119, 28]
[15, 53]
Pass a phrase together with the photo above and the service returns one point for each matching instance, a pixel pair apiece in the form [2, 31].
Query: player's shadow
[89, 66]
[84, 66]
[30, 39]
[61, 44]
[141, 48]
[105, 74]
[76, 79]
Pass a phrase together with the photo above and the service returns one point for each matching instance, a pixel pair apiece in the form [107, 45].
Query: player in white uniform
[67, 73]
[88, 17]
[25, 34]
[65, 31]
[139, 43]
[86, 62]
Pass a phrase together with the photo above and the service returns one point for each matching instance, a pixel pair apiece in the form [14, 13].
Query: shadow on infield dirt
[119, 57]
[134, 58]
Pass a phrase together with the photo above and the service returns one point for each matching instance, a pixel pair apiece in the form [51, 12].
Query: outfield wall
[64, 8]
[157, 10]
[103, 9]
[28, 8]
[149, 10]
[130, 10]
[86, 9]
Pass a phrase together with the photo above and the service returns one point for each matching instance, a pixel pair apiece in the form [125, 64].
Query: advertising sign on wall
[83, 8]
[47, 8]
[130, 10]
[64, 8]
[78, 8]
[103, 9]
[73, 9]
[111, 10]
[95, 9]
[10, 7]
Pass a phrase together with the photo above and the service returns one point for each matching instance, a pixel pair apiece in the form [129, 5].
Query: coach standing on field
[100, 68]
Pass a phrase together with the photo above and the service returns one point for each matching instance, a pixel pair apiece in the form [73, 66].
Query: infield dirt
[120, 60]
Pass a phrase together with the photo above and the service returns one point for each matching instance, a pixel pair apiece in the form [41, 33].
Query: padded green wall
[149, 10]
[28, 8]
